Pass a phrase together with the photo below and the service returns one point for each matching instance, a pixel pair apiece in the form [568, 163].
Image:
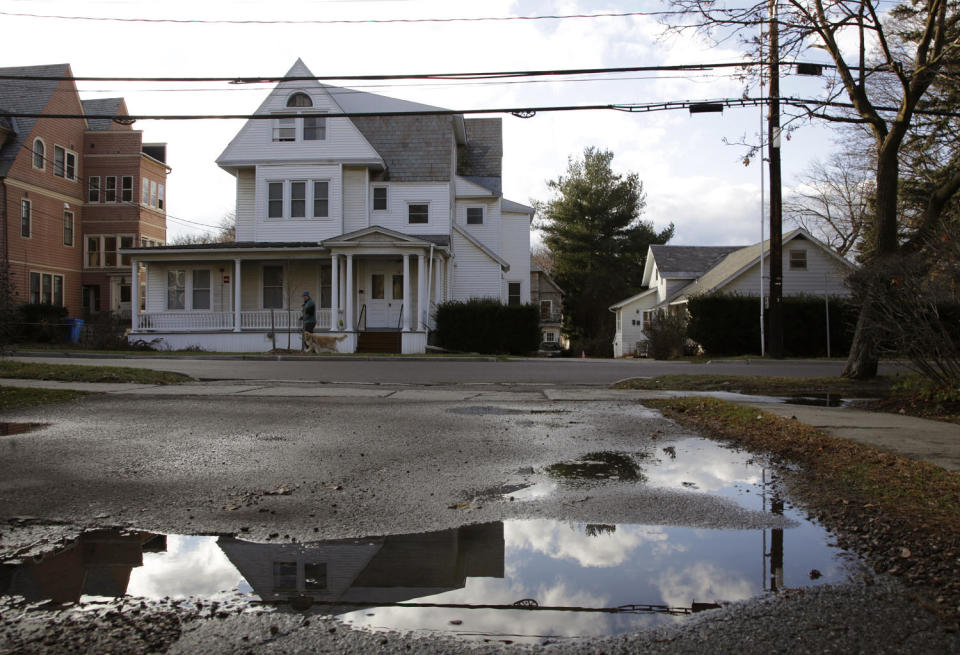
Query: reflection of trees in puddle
[598, 466]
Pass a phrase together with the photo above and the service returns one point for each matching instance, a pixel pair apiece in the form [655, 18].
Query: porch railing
[249, 320]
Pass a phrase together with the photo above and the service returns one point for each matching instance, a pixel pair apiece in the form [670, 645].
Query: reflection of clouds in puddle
[191, 566]
[500, 622]
[708, 465]
[564, 541]
[703, 582]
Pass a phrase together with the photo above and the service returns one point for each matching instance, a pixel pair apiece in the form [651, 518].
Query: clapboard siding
[354, 199]
[515, 230]
[254, 142]
[301, 229]
[631, 325]
[246, 203]
[823, 273]
[400, 195]
[475, 275]
[488, 232]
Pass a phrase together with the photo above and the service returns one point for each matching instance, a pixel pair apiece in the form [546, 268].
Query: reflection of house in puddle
[96, 564]
[370, 570]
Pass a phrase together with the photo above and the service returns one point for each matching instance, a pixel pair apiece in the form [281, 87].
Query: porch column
[406, 293]
[236, 295]
[334, 292]
[422, 308]
[438, 280]
[134, 295]
[349, 300]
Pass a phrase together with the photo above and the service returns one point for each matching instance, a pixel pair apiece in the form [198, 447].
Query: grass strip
[901, 515]
[754, 384]
[18, 397]
[79, 373]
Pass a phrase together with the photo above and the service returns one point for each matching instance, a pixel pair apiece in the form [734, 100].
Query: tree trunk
[863, 359]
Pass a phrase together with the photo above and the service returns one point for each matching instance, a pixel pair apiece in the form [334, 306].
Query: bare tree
[911, 44]
[226, 232]
[542, 256]
[832, 201]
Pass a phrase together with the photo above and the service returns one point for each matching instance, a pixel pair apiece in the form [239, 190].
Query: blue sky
[692, 177]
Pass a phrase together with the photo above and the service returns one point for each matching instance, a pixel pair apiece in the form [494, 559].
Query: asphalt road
[438, 370]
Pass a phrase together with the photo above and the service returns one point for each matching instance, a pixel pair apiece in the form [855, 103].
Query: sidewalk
[933, 441]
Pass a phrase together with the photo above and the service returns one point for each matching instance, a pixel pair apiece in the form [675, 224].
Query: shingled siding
[414, 148]
[483, 153]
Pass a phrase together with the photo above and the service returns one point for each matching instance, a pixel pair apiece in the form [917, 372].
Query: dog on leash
[321, 343]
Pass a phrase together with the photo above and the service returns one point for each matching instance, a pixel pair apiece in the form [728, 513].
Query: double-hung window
[126, 188]
[39, 158]
[798, 259]
[93, 188]
[321, 199]
[274, 199]
[314, 128]
[25, 218]
[144, 191]
[513, 293]
[64, 163]
[474, 215]
[160, 196]
[285, 129]
[46, 288]
[298, 200]
[272, 287]
[201, 289]
[110, 188]
[153, 193]
[418, 213]
[67, 228]
[176, 289]
[379, 198]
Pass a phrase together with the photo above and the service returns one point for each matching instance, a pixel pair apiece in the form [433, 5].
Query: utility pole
[775, 314]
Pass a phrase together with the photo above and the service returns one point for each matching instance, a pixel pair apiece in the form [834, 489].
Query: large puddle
[518, 580]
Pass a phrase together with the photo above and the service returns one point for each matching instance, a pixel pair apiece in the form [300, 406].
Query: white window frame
[42, 154]
[279, 132]
[161, 196]
[483, 215]
[168, 287]
[410, 204]
[93, 188]
[550, 336]
[313, 198]
[386, 198]
[306, 187]
[126, 188]
[68, 155]
[193, 288]
[26, 218]
[320, 127]
[283, 200]
[153, 193]
[121, 261]
[519, 296]
[40, 277]
[189, 275]
[145, 191]
[107, 191]
[73, 228]
[283, 286]
[798, 259]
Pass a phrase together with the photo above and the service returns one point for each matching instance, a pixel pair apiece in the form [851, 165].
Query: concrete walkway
[934, 441]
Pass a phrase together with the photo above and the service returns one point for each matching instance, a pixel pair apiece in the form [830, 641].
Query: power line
[520, 112]
[483, 75]
[337, 21]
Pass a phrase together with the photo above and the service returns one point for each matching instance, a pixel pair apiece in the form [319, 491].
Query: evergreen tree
[599, 243]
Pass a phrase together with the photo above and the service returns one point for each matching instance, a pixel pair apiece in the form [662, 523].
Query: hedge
[485, 325]
[728, 324]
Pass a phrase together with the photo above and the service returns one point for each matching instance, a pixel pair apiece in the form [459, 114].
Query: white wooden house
[380, 217]
[673, 274]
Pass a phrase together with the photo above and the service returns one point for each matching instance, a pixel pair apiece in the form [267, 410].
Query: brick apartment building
[73, 191]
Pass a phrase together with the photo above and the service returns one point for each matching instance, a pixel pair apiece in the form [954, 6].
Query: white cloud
[191, 566]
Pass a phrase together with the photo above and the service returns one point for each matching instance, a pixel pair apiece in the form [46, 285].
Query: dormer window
[289, 127]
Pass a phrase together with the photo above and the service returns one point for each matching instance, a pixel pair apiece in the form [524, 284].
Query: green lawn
[17, 398]
[79, 373]
[755, 384]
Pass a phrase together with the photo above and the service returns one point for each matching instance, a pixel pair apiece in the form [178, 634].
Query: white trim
[483, 214]
[52, 277]
[410, 203]
[67, 152]
[43, 155]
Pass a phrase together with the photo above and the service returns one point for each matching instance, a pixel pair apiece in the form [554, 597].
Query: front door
[120, 295]
[384, 295]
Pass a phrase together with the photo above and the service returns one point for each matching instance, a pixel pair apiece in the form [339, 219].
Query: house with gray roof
[378, 208]
[674, 274]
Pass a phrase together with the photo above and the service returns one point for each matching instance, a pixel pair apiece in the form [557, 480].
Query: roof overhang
[623, 303]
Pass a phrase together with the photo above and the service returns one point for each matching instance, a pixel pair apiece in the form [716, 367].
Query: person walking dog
[308, 313]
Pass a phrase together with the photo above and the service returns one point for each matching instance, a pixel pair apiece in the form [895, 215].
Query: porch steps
[378, 342]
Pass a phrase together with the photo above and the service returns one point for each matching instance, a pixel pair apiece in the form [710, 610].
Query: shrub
[105, 331]
[592, 347]
[43, 322]
[728, 324]
[485, 325]
[667, 334]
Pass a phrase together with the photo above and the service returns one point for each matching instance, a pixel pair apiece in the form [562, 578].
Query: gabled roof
[740, 260]
[546, 276]
[688, 260]
[25, 97]
[515, 207]
[627, 301]
[103, 106]
[379, 233]
[480, 246]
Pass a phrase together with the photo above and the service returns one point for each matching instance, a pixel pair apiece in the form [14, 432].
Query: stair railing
[362, 317]
[400, 318]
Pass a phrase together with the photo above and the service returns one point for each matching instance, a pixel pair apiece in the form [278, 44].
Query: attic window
[798, 259]
[299, 100]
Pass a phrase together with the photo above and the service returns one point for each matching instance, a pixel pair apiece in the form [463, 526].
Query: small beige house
[673, 274]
